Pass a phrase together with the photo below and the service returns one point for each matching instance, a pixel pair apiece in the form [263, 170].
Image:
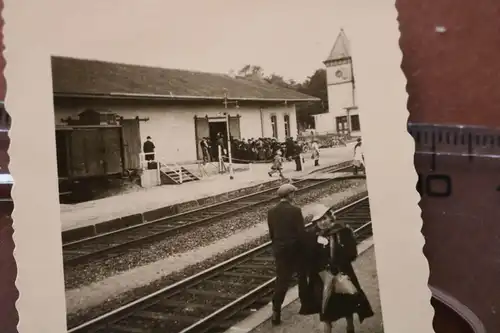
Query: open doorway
[216, 126]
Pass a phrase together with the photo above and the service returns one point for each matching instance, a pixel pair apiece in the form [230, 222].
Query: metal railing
[161, 164]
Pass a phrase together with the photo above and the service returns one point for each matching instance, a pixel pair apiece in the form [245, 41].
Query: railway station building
[343, 114]
[175, 107]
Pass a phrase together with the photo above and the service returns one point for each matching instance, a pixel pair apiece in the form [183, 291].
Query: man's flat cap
[286, 189]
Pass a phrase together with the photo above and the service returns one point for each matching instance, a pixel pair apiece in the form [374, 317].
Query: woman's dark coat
[317, 258]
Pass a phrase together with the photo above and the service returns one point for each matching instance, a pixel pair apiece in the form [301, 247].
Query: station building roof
[74, 77]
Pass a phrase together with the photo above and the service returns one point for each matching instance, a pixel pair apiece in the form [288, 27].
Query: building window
[274, 126]
[355, 126]
[287, 125]
[342, 125]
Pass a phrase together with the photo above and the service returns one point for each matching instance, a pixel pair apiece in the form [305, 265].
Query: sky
[289, 38]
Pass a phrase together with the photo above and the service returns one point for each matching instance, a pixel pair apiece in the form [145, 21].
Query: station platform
[292, 322]
[83, 219]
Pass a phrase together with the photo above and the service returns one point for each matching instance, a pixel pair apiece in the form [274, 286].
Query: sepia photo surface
[167, 173]
[215, 171]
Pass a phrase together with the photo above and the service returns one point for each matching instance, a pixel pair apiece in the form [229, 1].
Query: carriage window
[287, 125]
[274, 126]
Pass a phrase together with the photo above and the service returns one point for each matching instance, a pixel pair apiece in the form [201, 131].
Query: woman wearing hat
[334, 290]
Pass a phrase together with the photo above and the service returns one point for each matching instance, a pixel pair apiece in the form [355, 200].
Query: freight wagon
[90, 151]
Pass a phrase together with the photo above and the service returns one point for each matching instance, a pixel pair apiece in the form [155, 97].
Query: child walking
[277, 165]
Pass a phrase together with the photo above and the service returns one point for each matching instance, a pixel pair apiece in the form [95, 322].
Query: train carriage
[89, 150]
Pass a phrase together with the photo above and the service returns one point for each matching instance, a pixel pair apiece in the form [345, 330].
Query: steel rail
[171, 229]
[233, 307]
[191, 211]
[253, 295]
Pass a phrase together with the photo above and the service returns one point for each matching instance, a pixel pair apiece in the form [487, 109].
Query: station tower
[342, 116]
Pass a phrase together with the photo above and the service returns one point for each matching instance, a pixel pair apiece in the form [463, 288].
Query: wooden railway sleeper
[209, 293]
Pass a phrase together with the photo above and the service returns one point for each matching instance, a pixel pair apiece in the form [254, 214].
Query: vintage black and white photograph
[217, 190]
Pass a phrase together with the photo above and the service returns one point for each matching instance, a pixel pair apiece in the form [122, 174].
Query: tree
[314, 85]
[251, 71]
[257, 72]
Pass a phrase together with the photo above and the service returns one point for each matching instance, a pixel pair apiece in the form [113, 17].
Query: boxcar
[89, 151]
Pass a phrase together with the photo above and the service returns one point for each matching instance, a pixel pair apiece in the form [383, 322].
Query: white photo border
[372, 26]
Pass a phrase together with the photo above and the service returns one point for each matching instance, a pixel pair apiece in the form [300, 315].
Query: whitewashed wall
[172, 128]
[324, 121]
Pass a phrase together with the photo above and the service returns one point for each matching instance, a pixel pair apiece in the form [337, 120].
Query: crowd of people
[251, 150]
[269, 150]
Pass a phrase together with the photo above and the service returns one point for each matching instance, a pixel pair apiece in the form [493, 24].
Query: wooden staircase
[175, 175]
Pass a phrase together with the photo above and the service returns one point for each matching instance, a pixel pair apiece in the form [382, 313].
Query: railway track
[115, 243]
[216, 299]
[334, 169]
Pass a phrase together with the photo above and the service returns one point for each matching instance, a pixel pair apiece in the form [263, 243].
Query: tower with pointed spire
[342, 116]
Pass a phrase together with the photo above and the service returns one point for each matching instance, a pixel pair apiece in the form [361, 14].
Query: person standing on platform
[315, 152]
[205, 149]
[277, 165]
[148, 149]
[221, 152]
[297, 156]
[330, 250]
[287, 232]
[221, 143]
[289, 144]
[359, 158]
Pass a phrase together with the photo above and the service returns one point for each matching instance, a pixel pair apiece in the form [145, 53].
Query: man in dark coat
[289, 148]
[287, 232]
[205, 150]
[221, 144]
[297, 151]
[148, 149]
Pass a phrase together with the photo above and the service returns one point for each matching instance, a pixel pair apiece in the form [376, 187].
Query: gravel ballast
[194, 238]
[131, 295]
[110, 303]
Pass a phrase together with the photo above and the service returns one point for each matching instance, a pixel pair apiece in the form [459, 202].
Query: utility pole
[230, 164]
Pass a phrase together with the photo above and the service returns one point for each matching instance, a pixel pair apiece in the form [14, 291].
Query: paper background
[108, 30]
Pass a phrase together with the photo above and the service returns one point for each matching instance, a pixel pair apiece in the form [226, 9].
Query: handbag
[344, 285]
[339, 283]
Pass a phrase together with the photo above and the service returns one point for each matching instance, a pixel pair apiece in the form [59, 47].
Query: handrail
[170, 166]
